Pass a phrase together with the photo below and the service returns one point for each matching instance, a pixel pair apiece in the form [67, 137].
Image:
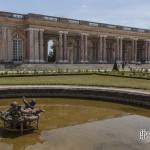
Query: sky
[134, 13]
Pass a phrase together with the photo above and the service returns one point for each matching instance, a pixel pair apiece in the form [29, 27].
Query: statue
[21, 117]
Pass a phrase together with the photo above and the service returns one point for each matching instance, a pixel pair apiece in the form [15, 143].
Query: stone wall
[124, 96]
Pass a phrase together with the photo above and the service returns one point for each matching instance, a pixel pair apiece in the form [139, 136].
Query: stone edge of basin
[118, 95]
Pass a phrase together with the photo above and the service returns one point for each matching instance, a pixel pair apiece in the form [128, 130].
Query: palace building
[24, 39]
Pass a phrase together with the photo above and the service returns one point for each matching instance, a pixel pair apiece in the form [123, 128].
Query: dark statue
[21, 117]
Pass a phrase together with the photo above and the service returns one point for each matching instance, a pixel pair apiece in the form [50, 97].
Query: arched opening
[17, 48]
[51, 50]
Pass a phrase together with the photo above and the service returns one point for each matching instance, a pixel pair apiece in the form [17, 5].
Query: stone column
[119, 50]
[104, 50]
[60, 60]
[30, 44]
[35, 45]
[134, 51]
[0, 45]
[4, 44]
[100, 49]
[84, 48]
[41, 38]
[10, 45]
[148, 58]
[65, 48]
[147, 52]
[62, 56]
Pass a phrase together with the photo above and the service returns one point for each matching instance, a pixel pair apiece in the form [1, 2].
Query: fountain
[21, 118]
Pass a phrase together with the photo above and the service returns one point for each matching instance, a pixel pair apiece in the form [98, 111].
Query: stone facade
[24, 39]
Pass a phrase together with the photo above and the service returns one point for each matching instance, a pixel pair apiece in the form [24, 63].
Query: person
[30, 107]
[31, 104]
[14, 111]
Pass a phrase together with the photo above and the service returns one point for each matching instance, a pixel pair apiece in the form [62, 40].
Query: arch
[17, 43]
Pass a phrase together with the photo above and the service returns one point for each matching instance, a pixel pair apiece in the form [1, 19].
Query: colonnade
[107, 49]
[103, 49]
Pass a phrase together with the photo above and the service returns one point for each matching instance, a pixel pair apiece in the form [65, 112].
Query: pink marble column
[30, 44]
[65, 47]
[134, 51]
[36, 47]
[104, 50]
[4, 44]
[86, 49]
[34, 43]
[82, 48]
[100, 49]
[119, 50]
[148, 52]
[41, 38]
[61, 53]
[10, 45]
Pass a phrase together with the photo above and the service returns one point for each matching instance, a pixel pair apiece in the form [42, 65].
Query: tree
[52, 55]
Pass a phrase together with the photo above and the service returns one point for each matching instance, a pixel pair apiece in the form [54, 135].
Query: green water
[60, 113]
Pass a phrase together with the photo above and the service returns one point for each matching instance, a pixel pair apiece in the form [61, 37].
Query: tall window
[17, 48]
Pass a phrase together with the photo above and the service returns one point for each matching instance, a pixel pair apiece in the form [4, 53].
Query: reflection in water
[65, 112]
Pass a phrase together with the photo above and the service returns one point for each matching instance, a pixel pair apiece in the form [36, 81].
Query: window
[50, 18]
[127, 28]
[93, 24]
[17, 48]
[141, 30]
[111, 26]
[74, 21]
[17, 16]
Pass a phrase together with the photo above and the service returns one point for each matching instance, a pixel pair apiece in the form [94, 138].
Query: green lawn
[91, 80]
